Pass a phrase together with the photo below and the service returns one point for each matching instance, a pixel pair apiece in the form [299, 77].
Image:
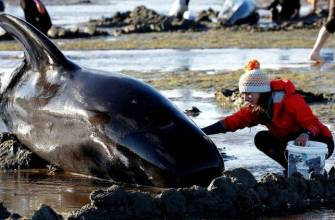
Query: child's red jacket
[291, 114]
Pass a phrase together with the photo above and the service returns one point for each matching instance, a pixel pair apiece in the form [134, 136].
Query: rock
[193, 111]
[75, 30]
[172, 203]
[224, 186]
[4, 213]
[143, 205]
[331, 174]
[53, 32]
[114, 197]
[15, 216]
[241, 177]
[315, 189]
[89, 212]
[46, 213]
[248, 202]
[90, 30]
[318, 177]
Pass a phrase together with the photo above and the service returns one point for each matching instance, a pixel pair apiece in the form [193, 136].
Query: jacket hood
[283, 85]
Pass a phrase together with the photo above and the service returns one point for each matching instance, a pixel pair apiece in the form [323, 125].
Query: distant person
[36, 14]
[276, 105]
[289, 10]
[331, 9]
[178, 8]
[238, 12]
[324, 33]
[2, 6]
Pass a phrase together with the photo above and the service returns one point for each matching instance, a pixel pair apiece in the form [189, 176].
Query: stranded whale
[98, 123]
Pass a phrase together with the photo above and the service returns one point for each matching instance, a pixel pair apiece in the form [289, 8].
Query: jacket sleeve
[299, 109]
[241, 119]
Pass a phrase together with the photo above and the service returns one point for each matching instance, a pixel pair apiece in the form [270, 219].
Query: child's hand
[302, 139]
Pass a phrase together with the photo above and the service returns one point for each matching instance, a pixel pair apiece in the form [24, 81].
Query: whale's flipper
[39, 50]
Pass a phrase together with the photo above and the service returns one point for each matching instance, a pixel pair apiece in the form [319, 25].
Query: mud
[213, 38]
[235, 194]
[144, 20]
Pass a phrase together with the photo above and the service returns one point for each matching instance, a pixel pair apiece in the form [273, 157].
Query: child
[276, 105]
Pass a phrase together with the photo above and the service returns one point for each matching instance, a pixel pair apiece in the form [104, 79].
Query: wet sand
[297, 38]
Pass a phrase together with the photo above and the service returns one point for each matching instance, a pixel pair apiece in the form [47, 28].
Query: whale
[99, 123]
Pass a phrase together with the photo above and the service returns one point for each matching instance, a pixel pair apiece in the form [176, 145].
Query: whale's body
[97, 123]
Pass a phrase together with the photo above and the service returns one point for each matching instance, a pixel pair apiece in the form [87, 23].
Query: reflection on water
[23, 192]
[195, 59]
[168, 60]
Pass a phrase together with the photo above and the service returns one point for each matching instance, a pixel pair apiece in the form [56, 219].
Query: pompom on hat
[254, 80]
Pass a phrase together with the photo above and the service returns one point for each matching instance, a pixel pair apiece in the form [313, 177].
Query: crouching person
[276, 105]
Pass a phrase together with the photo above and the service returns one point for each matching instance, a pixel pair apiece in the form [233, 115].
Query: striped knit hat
[254, 80]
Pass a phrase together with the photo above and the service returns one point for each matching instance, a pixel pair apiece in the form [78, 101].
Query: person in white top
[178, 8]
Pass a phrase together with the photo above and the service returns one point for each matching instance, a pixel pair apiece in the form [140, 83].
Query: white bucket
[305, 159]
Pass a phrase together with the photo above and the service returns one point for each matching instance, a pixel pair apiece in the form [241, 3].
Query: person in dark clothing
[324, 33]
[36, 14]
[2, 6]
[289, 10]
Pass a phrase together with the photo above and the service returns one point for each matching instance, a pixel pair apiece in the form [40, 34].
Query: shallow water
[24, 191]
[174, 60]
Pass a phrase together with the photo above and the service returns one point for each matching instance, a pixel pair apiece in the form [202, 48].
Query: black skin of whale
[99, 123]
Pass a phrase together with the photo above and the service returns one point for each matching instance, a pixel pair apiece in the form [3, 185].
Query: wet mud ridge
[143, 20]
[235, 194]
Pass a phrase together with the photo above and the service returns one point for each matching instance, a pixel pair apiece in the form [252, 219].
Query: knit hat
[254, 80]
